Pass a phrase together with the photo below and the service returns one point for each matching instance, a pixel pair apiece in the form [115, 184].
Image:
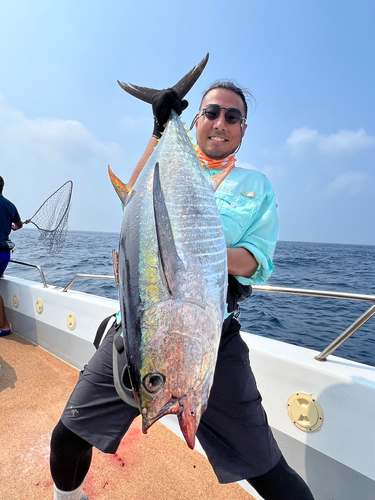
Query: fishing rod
[51, 218]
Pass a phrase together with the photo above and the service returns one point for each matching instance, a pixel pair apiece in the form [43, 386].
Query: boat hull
[337, 461]
[62, 323]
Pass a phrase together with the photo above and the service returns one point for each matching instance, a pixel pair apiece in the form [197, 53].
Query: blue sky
[309, 65]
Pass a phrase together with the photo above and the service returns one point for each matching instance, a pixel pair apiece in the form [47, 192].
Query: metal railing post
[328, 295]
[32, 265]
[345, 335]
[91, 276]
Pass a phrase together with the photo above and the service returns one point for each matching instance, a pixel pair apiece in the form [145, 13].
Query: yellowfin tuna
[172, 277]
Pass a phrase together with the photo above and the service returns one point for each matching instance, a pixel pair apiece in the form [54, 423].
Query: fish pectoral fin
[218, 179]
[121, 189]
[162, 275]
[170, 263]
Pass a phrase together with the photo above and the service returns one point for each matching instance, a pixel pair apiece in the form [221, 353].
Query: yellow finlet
[121, 189]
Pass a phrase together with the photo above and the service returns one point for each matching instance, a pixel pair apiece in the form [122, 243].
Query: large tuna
[172, 277]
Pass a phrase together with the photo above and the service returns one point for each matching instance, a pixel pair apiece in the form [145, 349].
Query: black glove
[162, 103]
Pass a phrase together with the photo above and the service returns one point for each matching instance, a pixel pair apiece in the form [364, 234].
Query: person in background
[233, 430]
[9, 219]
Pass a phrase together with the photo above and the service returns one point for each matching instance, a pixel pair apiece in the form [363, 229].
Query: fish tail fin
[182, 87]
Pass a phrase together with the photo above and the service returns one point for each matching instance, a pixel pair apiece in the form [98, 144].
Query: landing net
[51, 219]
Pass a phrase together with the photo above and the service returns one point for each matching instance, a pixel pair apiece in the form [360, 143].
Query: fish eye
[153, 382]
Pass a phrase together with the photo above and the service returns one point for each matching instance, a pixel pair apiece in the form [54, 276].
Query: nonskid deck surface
[34, 388]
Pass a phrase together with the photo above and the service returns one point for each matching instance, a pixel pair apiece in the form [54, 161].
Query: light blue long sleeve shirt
[248, 209]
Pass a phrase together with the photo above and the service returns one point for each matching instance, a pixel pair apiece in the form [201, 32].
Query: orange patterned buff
[227, 163]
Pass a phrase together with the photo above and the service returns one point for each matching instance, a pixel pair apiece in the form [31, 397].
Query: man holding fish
[164, 309]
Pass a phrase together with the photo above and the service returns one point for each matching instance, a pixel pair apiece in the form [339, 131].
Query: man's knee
[63, 439]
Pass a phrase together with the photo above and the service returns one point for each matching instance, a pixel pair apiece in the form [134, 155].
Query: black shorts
[233, 430]
[4, 260]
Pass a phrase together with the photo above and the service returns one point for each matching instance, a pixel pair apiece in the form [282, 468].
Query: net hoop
[51, 218]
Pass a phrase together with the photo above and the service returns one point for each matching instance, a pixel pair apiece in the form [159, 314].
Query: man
[9, 219]
[233, 430]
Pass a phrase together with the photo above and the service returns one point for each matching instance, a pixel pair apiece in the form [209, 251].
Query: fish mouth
[188, 424]
[186, 414]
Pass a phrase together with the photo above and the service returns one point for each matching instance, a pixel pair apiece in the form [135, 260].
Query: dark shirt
[8, 215]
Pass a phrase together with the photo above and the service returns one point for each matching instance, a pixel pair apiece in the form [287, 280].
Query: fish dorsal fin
[182, 87]
[170, 263]
[121, 189]
[218, 178]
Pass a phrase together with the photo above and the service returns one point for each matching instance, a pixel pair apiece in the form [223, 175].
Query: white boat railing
[328, 295]
[92, 276]
[35, 266]
[271, 289]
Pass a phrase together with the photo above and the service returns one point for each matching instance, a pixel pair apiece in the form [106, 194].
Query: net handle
[40, 228]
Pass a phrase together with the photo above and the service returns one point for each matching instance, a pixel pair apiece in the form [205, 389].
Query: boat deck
[34, 388]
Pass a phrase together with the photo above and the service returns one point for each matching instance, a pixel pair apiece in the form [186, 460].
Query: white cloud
[303, 140]
[38, 155]
[51, 140]
[350, 183]
[302, 135]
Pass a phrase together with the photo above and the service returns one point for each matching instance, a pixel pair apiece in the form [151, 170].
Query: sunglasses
[232, 115]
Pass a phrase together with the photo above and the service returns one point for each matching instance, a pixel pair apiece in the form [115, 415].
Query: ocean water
[311, 322]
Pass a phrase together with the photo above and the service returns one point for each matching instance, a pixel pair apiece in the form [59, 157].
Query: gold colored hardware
[16, 301]
[305, 412]
[71, 321]
[39, 306]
